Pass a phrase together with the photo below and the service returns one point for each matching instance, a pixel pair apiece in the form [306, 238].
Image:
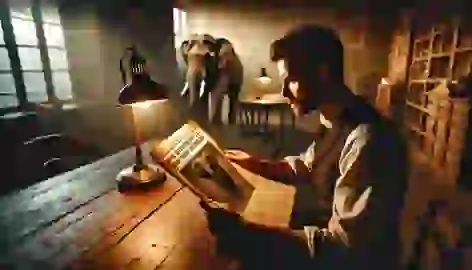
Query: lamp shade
[263, 73]
[142, 89]
[264, 78]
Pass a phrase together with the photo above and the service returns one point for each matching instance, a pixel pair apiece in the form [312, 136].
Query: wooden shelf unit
[437, 123]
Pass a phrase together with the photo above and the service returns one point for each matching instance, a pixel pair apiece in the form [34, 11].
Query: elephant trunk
[197, 81]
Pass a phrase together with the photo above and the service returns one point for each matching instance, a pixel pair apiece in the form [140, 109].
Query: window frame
[15, 62]
[179, 25]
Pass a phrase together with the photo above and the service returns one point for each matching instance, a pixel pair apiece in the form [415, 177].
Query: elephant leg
[217, 113]
[233, 96]
[193, 97]
[204, 106]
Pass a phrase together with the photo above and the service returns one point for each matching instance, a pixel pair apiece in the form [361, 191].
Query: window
[8, 96]
[56, 51]
[33, 59]
[180, 26]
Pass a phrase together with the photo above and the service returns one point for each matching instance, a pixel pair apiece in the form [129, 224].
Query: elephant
[213, 70]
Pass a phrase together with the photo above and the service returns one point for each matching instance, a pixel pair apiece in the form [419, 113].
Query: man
[371, 172]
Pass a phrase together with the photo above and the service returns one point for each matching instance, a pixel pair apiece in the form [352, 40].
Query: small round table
[254, 114]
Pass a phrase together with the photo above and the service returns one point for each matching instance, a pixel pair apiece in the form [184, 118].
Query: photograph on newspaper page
[192, 156]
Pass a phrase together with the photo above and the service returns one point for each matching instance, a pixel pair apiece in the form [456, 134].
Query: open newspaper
[194, 158]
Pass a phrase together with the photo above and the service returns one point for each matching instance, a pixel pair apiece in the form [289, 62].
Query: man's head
[310, 60]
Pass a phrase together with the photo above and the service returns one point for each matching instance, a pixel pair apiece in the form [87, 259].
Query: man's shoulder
[382, 134]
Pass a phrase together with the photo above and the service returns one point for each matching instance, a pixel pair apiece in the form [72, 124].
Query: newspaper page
[194, 158]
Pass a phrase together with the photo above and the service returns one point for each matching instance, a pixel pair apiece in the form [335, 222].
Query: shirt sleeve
[302, 162]
[351, 196]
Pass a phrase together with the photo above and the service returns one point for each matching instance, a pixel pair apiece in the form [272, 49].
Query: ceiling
[343, 4]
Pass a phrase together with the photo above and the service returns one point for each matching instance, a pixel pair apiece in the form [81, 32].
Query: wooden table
[78, 220]
[255, 112]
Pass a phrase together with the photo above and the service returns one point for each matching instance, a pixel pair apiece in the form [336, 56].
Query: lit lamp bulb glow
[146, 104]
[142, 105]
[265, 80]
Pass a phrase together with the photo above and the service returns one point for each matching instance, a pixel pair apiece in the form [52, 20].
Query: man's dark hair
[308, 46]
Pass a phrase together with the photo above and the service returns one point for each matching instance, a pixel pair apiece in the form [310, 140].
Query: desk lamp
[141, 93]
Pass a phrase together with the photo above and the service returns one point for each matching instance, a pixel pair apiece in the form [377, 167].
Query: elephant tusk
[202, 88]
[185, 90]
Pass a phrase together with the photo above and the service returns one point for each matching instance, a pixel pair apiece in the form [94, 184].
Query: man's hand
[227, 227]
[239, 157]
[236, 155]
[256, 245]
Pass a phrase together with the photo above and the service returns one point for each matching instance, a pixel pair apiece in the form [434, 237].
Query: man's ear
[322, 72]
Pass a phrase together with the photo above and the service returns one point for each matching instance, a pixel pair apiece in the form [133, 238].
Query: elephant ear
[210, 43]
[225, 51]
[184, 49]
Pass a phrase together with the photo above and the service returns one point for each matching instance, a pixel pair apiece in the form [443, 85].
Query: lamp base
[142, 178]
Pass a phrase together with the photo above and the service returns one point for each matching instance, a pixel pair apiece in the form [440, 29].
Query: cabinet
[437, 109]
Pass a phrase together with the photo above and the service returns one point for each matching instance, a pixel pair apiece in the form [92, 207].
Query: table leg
[282, 126]
[278, 135]
[266, 123]
[259, 120]
[293, 120]
[250, 119]
[247, 119]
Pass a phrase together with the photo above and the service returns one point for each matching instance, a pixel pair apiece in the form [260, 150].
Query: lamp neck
[139, 158]
[140, 76]
[263, 73]
[137, 142]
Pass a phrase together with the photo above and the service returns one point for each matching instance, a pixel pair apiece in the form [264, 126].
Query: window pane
[58, 59]
[8, 101]
[25, 32]
[21, 9]
[2, 40]
[7, 91]
[7, 83]
[30, 58]
[50, 12]
[54, 35]
[176, 21]
[4, 59]
[180, 21]
[35, 86]
[62, 85]
[37, 97]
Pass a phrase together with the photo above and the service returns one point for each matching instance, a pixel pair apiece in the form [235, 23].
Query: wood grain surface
[79, 220]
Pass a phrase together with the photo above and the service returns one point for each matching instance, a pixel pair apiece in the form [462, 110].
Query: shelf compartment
[440, 67]
[442, 42]
[464, 39]
[416, 93]
[419, 70]
[462, 65]
[421, 48]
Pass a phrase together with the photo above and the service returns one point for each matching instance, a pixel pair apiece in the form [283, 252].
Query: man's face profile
[292, 90]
